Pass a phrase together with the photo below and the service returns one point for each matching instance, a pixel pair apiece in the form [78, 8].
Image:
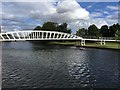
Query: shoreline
[92, 46]
[86, 46]
[99, 48]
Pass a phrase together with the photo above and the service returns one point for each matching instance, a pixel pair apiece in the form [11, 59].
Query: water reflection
[34, 65]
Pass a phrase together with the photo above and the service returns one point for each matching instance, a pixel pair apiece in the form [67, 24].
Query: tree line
[51, 26]
[104, 31]
[91, 32]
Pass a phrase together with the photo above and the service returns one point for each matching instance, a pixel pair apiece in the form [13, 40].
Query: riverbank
[108, 45]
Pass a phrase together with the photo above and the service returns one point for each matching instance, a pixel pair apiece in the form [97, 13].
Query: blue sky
[27, 15]
[99, 6]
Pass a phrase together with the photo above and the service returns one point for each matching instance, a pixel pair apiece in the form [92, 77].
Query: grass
[112, 45]
[63, 43]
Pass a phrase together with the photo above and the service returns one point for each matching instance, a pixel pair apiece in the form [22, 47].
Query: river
[36, 65]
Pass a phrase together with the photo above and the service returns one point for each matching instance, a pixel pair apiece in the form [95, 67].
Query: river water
[35, 65]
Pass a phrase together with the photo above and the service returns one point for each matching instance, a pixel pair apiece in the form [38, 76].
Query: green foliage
[118, 34]
[93, 31]
[112, 30]
[51, 26]
[68, 31]
[63, 28]
[38, 28]
[104, 31]
[81, 32]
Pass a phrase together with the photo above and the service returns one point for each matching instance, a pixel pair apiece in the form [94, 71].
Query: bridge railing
[36, 35]
[103, 38]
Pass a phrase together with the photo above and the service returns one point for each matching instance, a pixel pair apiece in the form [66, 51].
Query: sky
[27, 15]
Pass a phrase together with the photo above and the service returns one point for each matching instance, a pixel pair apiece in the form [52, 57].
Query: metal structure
[47, 35]
[37, 35]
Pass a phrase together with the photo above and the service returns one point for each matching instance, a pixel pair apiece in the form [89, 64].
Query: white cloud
[90, 6]
[45, 11]
[86, 23]
[99, 22]
[96, 14]
[54, 0]
[105, 12]
[112, 18]
[64, 6]
[28, 0]
[112, 7]
[63, 12]
[22, 14]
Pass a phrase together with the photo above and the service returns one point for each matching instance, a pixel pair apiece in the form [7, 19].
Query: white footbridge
[47, 35]
[37, 35]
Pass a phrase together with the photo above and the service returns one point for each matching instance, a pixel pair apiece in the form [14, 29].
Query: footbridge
[47, 35]
[37, 35]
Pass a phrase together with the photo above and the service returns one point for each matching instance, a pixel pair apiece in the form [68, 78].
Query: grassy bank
[63, 43]
[112, 45]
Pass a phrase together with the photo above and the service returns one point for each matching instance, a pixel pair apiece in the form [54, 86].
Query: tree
[117, 34]
[37, 28]
[93, 31]
[112, 30]
[69, 31]
[63, 28]
[81, 32]
[104, 31]
[50, 26]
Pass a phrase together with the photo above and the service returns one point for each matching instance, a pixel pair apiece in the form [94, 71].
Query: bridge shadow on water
[36, 45]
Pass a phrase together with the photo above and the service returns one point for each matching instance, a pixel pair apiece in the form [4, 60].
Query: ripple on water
[81, 72]
[36, 67]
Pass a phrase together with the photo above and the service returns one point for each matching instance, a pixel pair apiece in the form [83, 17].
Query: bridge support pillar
[102, 42]
[82, 42]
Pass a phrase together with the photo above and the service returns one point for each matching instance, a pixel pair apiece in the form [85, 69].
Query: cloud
[112, 18]
[26, 15]
[62, 12]
[56, 0]
[90, 6]
[96, 14]
[44, 11]
[64, 6]
[86, 23]
[99, 22]
[106, 12]
[28, 0]
[112, 7]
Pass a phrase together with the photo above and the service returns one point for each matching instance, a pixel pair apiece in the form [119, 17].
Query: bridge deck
[44, 35]
[37, 35]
